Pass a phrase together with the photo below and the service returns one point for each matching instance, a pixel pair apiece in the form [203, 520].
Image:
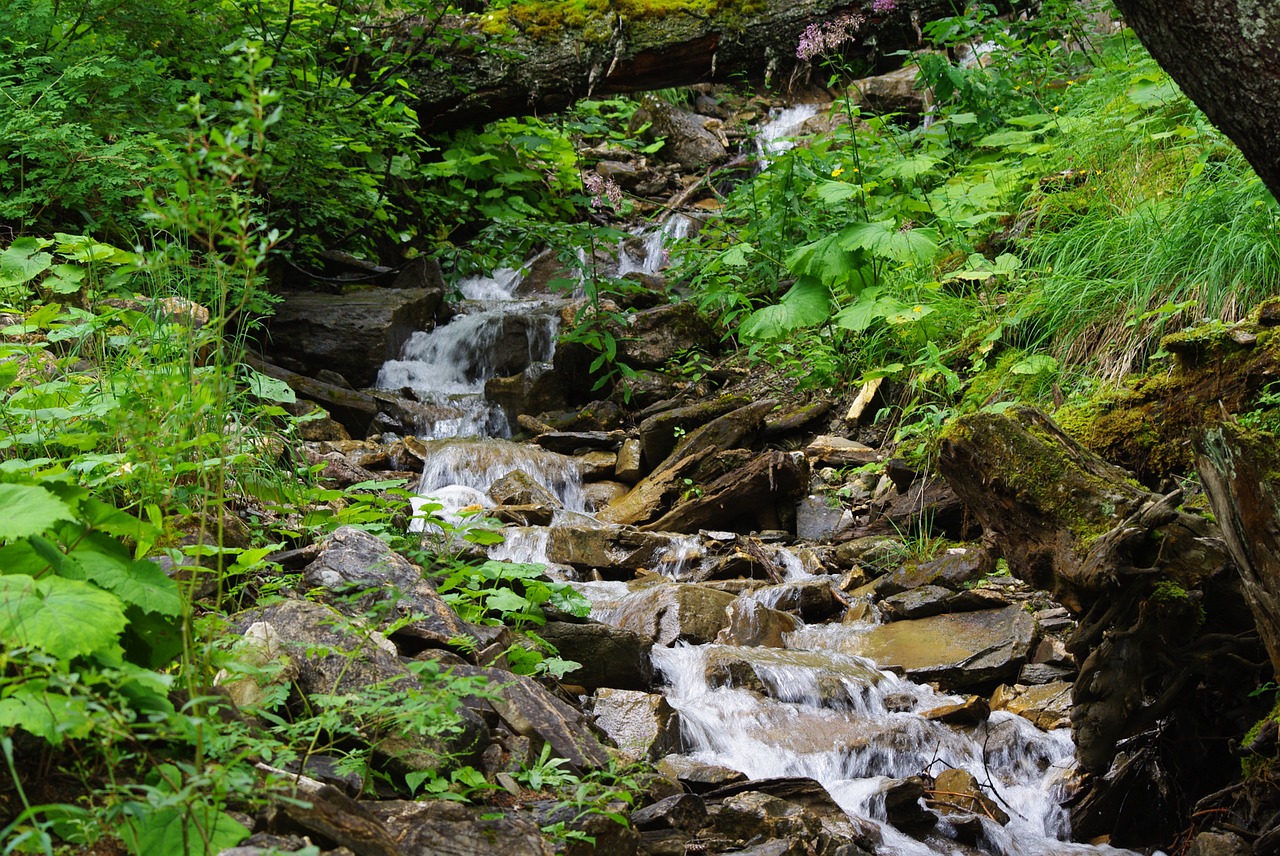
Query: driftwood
[1236, 470]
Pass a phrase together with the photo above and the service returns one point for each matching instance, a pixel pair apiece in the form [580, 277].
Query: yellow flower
[1056, 109]
[917, 308]
[837, 172]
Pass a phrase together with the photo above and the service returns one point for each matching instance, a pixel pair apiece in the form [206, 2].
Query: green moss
[1253, 766]
[592, 20]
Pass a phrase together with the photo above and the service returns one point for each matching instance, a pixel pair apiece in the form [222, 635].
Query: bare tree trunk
[1226, 56]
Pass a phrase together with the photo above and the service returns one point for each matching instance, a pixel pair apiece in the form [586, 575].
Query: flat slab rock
[960, 651]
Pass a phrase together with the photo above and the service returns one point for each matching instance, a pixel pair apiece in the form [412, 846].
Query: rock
[660, 431]
[522, 515]
[320, 425]
[576, 442]
[537, 389]
[798, 810]
[793, 419]
[601, 494]
[737, 498]
[597, 465]
[336, 656]
[956, 791]
[698, 776]
[353, 562]
[668, 614]
[1043, 673]
[1215, 843]
[863, 400]
[966, 650]
[446, 828]
[609, 656]
[589, 831]
[895, 92]
[951, 570]
[353, 332]
[531, 711]
[618, 552]
[903, 805]
[336, 469]
[872, 552]
[789, 674]
[1047, 706]
[641, 724]
[691, 142]
[751, 623]
[935, 600]
[519, 488]
[972, 711]
[812, 599]
[822, 518]
[723, 432]
[686, 812]
[261, 649]
[628, 468]
[832, 451]
[655, 336]
[654, 492]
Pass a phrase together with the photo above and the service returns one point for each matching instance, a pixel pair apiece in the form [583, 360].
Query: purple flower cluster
[602, 188]
[829, 35]
[882, 7]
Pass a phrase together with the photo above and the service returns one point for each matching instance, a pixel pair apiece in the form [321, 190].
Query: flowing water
[817, 711]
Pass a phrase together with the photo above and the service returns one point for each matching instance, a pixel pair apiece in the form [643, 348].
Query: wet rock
[822, 518]
[336, 656]
[519, 488]
[956, 792]
[1043, 673]
[1047, 706]
[904, 804]
[972, 649]
[687, 812]
[641, 724]
[600, 494]
[935, 600]
[972, 711]
[698, 777]
[353, 333]
[771, 479]
[873, 552]
[692, 141]
[319, 426]
[609, 656]
[655, 492]
[597, 465]
[522, 515]
[787, 674]
[628, 468]
[812, 599]
[655, 336]
[951, 570]
[536, 389]
[1215, 843]
[794, 419]
[895, 92]
[575, 442]
[831, 451]
[616, 552]
[660, 431]
[360, 571]
[591, 831]
[669, 614]
[723, 432]
[753, 624]
[797, 810]
[531, 711]
[446, 828]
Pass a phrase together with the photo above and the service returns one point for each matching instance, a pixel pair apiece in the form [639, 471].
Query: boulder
[353, 332]
[951, 570]
[904, 806]
[738, 498]
[799, 811]
[972, 711]
[723, 432]
[446, 828]
[597, 465]
[751, 623]
[353, 562]
[935, 600]
[696, 776]
[641, 724]
[609, 656]
[1047, 706]
[895, 92]
[831, 451]
[694, 142]
[617, 552]
[812, 599]
[815, 677]
[966, 650]
[519, 488]
[668, 614]
[601, 494]
[628, 467]
[655, 336]
[956, 792]
[537, 389]
[687, 812]
[822, 518]
[660, 431]
[576, 442]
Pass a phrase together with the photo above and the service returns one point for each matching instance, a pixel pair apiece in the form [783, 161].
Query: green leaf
[832, 192]
[142, 583]
[883, 239]
[180, 830]
[912, 167]
[507, 601]
[269, 388]
[1035, 364]
[45, 714]
[23, 261]
[806, 304]
[736, 256]
[29, 510]
[66, 618]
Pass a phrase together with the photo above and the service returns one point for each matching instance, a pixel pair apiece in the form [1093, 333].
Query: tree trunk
[1236, 470]
[1226, 57]
[543, 67]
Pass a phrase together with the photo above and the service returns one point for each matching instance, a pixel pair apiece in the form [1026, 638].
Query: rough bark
[1226, 57]
[1160, 614]
[1235, 469]
[533, 71]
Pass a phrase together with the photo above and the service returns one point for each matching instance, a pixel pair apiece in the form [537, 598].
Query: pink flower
[881, 7]
[829, 35]
[602, 188]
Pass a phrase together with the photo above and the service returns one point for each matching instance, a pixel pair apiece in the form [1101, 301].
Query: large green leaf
[180, 830]
[53, 716]
[23, 261]
[882, 238]
[142, 583]
[29, 510]
[806, 304]
[66, 618]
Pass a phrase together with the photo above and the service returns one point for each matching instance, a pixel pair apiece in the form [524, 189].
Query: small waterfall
[478, 463]
[647, 252]
[783, 124]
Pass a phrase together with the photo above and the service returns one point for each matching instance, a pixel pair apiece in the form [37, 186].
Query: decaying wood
[530, 68]
[324, 810]
[1236, 471]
